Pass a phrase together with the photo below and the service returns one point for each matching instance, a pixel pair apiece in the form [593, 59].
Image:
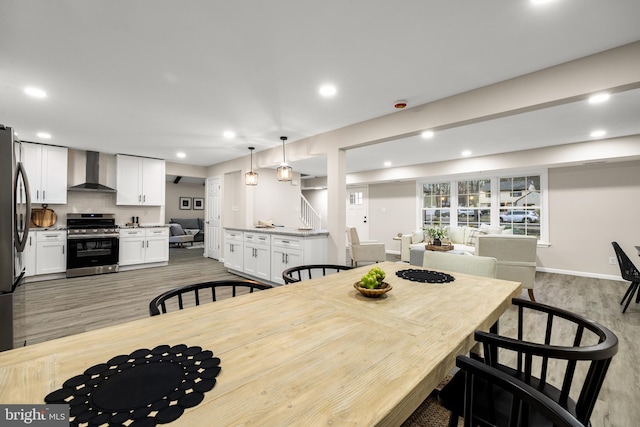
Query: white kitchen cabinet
[131, 246]
[286, 252]
[257, 255]
[157, 244]
[51, 251]
[140, 181]
[143, 246]
[46, 167]
[245, 251]
[234, 250]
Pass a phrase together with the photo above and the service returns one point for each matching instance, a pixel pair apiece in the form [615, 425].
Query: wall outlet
[612, 260]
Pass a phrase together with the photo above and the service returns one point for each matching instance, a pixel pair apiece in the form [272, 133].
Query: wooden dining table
[315, 352]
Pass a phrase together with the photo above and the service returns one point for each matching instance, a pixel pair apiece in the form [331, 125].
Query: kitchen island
[264, 253]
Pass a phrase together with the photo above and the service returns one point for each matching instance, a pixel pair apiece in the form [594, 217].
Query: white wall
[591, 206]
[392, 210]
[172, 199]
[276, 200]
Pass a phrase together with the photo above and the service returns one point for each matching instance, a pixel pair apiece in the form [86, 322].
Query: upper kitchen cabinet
[140, 181]
[46, 167]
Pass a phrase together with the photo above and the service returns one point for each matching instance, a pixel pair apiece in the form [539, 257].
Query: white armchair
[516, 257]
[368, 251]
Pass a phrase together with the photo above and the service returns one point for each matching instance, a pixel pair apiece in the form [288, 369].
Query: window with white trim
[516, 202]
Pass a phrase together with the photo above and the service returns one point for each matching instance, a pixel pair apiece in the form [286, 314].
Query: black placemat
[425, 276]
[146, 387]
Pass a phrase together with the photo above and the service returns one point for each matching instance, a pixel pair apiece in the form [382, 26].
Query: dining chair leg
[635, 287]
[531, 297]
[626, 294]
[453, 420]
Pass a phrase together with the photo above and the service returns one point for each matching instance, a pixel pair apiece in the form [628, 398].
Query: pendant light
[284, 171]
[251, 178]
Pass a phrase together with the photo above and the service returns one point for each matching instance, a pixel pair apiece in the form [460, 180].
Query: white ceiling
[154, 77]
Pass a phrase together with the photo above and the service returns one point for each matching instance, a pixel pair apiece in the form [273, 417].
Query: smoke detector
[400, 104]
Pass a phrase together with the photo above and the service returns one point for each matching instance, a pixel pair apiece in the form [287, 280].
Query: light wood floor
[63, 307]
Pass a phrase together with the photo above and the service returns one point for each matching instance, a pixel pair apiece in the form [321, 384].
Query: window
[355, 198]
[515, 202]
[520, 204]
[436, 202]
[474, 202]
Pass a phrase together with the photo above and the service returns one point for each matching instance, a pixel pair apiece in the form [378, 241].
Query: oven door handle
[92, 236]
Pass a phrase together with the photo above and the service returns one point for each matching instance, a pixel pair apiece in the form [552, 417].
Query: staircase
[308, 215]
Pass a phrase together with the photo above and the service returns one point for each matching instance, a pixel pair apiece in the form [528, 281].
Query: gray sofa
[191, 224]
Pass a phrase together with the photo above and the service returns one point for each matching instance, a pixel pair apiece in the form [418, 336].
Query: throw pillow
[491, 229]
[417, 236]
[472, 236]
[176, 230]
[456, 234]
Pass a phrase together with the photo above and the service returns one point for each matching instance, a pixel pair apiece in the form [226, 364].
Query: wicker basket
[373, 293]
[442, 248]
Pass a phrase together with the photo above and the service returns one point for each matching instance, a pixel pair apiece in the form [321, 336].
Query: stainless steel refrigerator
[15, 216]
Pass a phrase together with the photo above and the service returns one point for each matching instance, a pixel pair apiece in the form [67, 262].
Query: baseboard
[580, 273]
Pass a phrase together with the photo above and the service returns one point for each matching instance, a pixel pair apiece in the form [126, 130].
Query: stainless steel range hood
[92, 176]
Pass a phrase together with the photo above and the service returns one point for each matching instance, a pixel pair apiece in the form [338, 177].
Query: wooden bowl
[373, 293]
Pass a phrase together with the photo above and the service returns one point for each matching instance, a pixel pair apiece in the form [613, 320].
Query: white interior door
[213, 225]
[358, 210]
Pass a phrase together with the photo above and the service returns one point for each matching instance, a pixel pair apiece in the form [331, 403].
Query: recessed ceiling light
[466, 153]
[44, 135]
[181, 155]
[35, 92]
[387, 164]
[229, 134]
[328, 90]
[427, 134]
[599, 97]
[540, 1]
[598, 133]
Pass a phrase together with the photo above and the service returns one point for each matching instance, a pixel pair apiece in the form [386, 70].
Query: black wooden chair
[159, 304]
[523, 405]
[306, 272]
[578, 344]
[629, 272]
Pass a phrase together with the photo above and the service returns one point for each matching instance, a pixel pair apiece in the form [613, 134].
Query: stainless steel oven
[92, 244]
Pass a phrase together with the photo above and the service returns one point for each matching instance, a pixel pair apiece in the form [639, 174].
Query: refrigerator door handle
[20, 242]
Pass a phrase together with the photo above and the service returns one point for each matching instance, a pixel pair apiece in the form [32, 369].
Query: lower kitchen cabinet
[140, 246]
[51, 252]
[257, 255]
[234, 250]
[264, 255]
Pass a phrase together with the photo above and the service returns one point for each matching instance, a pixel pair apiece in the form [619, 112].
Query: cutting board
[44, 217]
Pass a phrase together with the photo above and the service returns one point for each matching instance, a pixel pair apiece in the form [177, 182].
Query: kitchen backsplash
[95, 202]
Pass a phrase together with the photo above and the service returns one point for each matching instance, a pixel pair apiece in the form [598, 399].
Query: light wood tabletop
[311, 353]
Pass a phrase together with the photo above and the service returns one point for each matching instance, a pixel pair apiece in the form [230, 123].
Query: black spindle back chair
[306, 272]
[159, 304]
[529, 357]
[524, 405]
[629, 272]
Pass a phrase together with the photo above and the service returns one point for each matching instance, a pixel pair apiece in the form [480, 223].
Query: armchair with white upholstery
[516, 257]
[369, 251]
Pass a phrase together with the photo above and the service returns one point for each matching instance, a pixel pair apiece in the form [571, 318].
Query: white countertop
[281, 230]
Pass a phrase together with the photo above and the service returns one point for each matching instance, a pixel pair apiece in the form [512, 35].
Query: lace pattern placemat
[425, 276]
[144, 388]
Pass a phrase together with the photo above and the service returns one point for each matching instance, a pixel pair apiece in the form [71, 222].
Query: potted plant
[437, 234]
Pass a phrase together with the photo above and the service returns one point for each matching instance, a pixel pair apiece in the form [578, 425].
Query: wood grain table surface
[311, 353]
